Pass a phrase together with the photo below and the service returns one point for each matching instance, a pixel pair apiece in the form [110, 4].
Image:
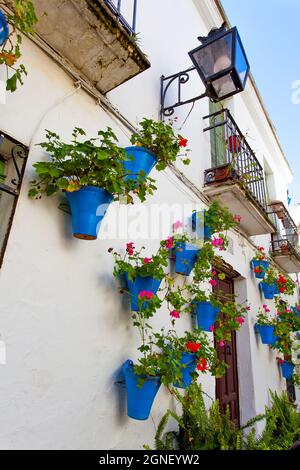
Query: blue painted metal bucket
[263, 264]
[143, 160]
[88, 207]
[139, 399]
[287, 369]
[207, 230]
[206, 315]
[189, 361]
[4, 28]
[186, 257]
[268, 290]
[267, 334]
[140, 283]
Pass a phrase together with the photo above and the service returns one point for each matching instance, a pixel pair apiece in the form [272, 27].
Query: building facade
[65, 328]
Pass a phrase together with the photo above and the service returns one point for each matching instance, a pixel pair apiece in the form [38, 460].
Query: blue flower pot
[140, 283]
[4, 29]
[287, 369]
[139, 399]
[189, 361]
[88, 207]
[267, 334]
[268, 290]
[143, 160]
[206, 315]
[207, 230]
[277, 291]
[186, 257]
[298, 336]
[264, 264]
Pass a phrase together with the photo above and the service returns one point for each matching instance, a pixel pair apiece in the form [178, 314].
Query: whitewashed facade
[65, 328]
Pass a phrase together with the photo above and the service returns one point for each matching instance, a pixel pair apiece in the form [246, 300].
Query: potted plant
[234, 143]
[216, 219]
[189, 355]
[260, 263]
[231, 319]
[89, 172]
[184, 253]
[21, 17]
[269, 283]
[156, 144]
[265, 326]
[284, 247]
[143, 275]
[205, 306]
[286, 366]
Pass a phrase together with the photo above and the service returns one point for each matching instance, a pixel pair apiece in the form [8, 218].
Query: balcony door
[227, 387]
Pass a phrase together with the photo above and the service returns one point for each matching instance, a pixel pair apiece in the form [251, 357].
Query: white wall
[66, 330]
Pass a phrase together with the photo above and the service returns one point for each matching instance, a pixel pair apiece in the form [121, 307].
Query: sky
[270, 31]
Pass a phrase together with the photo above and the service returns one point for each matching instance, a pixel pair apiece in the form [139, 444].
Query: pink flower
[175, 314]
[279, 313]
[240, 320]
[298, 307]
[177, 225]
[237, 218]
[265, 306]
[248, 308]
[217, 241]
[212, 282]
[288, 310]
[267, 310]
[222, 343]
[214, 273]
[146, 294]
[211, 328]
[147, 260]
[130, 248]
[169, 243]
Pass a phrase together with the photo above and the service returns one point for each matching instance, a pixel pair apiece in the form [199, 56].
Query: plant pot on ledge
[140, 397]
[88, 208]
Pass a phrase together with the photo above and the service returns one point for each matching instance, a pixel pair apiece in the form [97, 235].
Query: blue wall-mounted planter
[139, 399]
[296, 311]
[267, 334]
[287, 369]
[189, 361]
[4, 28]
[88, 207]
[206, 315]
[143, 160]
[140, 283]
[186, 257]
[268, 290]
[264, 264]
[207, 230]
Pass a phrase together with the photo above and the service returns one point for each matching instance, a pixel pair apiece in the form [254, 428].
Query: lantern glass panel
[224, 86]
[215, 56]
[241, 63]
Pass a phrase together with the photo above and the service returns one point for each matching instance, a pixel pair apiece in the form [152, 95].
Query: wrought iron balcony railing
[116, 8]
[290, 238]
[233, 158]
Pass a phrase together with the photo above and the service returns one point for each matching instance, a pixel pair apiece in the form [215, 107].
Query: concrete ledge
[86, 33]
[254, 221]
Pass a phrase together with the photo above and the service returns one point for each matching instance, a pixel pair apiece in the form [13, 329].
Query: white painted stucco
[66, 329]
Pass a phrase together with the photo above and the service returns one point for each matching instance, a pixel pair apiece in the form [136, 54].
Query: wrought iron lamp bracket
[182, 78]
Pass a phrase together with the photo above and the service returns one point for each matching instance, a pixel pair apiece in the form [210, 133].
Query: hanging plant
[269, 283]
[143, 275]
[216, 219]
[265, 326]
[260, 263]
[156, 144]
[285, 284]
[90, 173]
[21, 18]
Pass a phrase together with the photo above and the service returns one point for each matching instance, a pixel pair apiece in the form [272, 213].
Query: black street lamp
[222, 64]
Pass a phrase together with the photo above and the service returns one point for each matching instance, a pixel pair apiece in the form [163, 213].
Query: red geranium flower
[130, 248]
[193, 347]
[202, 364]
[182, 142]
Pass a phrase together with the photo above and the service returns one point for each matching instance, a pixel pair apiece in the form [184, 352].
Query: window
[13, 156]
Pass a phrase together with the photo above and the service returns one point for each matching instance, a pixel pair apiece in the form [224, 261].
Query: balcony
[94, 37]
[236, 179]
[284, 245]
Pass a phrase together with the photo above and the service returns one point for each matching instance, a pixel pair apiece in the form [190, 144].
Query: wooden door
[227, 390]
